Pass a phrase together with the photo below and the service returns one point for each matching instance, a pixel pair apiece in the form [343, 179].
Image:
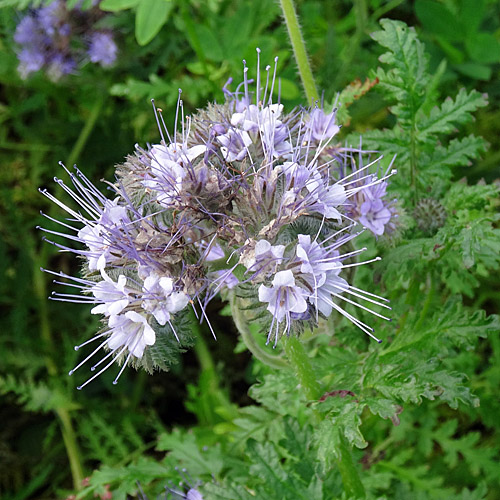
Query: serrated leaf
[150, 17]
[459, 152]
[407, 78]
[185, 450]
[444, 119]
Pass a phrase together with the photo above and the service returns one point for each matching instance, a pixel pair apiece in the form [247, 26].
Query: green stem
[301, 364]
[71, 444]
[67, 429]
[413, 160]
[353, 486]
[242, 325]
[86, 130]
[299, 50]
[427, 304]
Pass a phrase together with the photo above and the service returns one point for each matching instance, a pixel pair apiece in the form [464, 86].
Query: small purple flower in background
[102, 49]
[46, 40]
[30, 60]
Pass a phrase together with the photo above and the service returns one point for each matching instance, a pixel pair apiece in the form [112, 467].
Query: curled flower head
[240, 199]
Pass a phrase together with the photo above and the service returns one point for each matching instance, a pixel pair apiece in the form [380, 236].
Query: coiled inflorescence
[243, 200]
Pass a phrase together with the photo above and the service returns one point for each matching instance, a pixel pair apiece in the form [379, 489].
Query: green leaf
[474, 70]
[458, 152]
[211, 46]
[184, 448]
[150, 17]
[437, 19]
[483, 48]
[471, 15]
[117, 5]
[443, 119]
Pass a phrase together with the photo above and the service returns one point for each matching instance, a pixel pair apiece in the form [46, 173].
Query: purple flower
[130, 331]
[127, 332]
[46, 38]
[284, 298]
[321, 126]
[113, 295]
[27, 31]
[30, 60]
[102, 49]
[240, 199]
[309, 190]
[98, 235]
[367, 204]
[59, 66]
[160, 298]
[49, 17]
[315, 258]
[274, 136]
[234, 144]
[264, 258]
[374, 213]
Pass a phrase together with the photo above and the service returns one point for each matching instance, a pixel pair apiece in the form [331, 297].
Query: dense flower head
[241, 199]
[57, 39]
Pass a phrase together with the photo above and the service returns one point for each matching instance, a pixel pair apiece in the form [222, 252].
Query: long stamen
[80, 387]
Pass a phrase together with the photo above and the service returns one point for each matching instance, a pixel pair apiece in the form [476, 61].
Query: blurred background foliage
[94, 118]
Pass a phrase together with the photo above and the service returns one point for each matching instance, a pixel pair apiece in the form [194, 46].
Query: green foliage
[456, 30]
[151, 16]
[421, 120]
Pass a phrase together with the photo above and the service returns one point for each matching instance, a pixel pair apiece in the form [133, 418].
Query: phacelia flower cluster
[241, 199]
[57, 39]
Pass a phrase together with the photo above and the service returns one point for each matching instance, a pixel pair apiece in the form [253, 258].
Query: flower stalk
[242, 325]
[299, 50]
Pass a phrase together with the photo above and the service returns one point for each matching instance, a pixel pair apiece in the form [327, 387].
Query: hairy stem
[299, 50]
[243, 327]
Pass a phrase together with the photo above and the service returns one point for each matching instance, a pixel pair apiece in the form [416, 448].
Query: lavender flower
[244, 200]
[45, 37]
[102, 49]
[368, 205]
[283, 298]
[321, 126]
